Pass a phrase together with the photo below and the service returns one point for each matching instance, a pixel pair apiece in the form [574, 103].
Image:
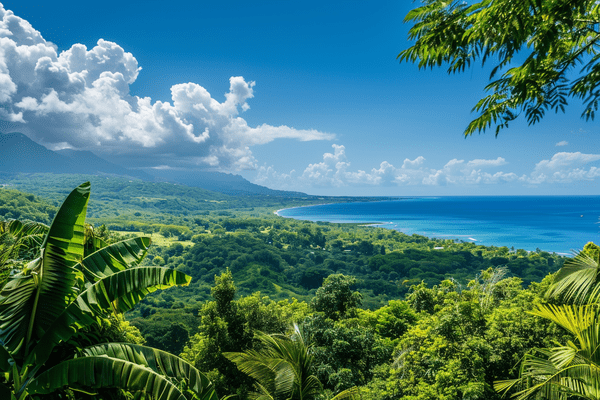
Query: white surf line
[291, 208]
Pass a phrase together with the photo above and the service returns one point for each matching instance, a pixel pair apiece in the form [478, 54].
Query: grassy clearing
[157, 238]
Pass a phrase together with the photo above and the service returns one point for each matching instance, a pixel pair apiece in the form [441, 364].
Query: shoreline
[291, 208]
[431, 227]
[342, 202]
[367, 224]
[456, 238]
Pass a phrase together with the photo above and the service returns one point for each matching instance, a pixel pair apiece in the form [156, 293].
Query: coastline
[292, 208]
[517, 224]
[341, 202]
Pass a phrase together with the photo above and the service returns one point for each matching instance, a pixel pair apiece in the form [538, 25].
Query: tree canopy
[47, 306]
[544, 52]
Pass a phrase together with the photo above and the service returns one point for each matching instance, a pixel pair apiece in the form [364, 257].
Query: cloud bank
[335, 171]
[80, 98]
[564, 168]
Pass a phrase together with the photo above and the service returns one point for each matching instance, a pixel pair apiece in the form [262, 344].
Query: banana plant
[63, 291]
[16, 237]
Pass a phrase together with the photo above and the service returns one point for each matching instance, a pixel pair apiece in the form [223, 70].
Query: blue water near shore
[551, 223]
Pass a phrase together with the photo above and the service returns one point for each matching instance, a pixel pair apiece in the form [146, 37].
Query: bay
[551, 223]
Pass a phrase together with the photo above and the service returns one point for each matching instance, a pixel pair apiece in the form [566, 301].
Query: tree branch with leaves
[542, 52]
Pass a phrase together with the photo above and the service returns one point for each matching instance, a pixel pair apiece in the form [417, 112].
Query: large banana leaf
[31, 301]
[114, 258]
[15, 237]
[105, 372]
[17, 301]
[158, 361]
[125, 284]
[130, 367]
[19, 228]
[126, 287]
[6, 360]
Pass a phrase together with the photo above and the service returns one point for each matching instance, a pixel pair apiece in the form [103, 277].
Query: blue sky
[303, 96]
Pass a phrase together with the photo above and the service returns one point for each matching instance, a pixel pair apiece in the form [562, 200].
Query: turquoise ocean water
[551, 223]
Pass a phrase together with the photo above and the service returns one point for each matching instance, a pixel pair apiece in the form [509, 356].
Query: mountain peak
[22, 155]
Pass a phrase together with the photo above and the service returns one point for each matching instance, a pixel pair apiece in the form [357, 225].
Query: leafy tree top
[335, 297]
[545, 51]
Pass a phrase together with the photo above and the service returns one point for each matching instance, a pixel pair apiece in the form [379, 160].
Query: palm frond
[581, 321]
[353, 394]
[561, 372]
[578, 280]
[281, 367]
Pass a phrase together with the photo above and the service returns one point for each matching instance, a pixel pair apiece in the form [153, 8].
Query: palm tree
[282, 369]
[570, 371]
[62, 291]
[578, 281]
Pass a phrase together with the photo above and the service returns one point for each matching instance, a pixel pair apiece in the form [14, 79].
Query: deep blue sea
[551, 223]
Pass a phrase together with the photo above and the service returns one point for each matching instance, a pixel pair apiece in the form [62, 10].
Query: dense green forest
[390, 315]
[18, 205]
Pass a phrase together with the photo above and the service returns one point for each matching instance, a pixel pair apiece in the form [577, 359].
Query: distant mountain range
[19, 154]
[22, 155]
[230, 184]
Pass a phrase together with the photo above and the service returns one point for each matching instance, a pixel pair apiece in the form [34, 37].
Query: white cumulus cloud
[498, 162]
[335, 171]
[564, 167]
[267, 175]
[79, 98]
[562, 143]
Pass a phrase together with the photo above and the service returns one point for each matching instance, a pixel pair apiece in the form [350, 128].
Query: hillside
[89, 163]
[280, 257]
[18, 151]
[230, 184]
[362, 294]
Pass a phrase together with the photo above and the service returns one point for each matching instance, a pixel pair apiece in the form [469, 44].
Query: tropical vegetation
[48, 308]
[541, 53]
[366, 310]
[570, 370]
[282, 368]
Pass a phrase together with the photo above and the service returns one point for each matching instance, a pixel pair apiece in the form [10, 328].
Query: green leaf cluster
[542, 53]
[71, 287]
